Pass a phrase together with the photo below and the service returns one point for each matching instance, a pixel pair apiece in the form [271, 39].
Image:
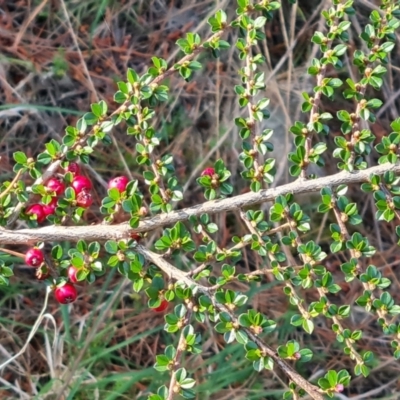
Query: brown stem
[177, 274]
[123, 231]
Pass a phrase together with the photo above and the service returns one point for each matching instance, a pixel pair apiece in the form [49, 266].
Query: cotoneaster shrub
[50, 212]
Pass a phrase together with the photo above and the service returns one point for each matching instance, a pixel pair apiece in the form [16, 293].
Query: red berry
[66, 294]
[80, 183]
[55, 185]
[72, 271]
[73, 167]
[208, 171]
[162, 306]
[50, 208]
[84, 199]
[120, 183]
[36, 209]
[34, 257]
[135, 236]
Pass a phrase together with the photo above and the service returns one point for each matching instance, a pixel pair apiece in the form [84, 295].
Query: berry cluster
[55, 187]
[65, 291]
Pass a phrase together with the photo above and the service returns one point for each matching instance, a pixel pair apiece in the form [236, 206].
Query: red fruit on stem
[55, 185]
[162, 306]
[36, 209]
[34, 257]
[84, 199]
[73, 167]
[135, 236]
[50, 208]
[208, 171]
[81, 183]
[72, 271]
[120, 183]
[66, 294]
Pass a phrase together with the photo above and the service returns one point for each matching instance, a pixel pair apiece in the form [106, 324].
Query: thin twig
[173, 389]
[11, 186]
[33, 331]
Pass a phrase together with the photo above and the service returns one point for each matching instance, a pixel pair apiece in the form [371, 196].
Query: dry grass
[56, 58]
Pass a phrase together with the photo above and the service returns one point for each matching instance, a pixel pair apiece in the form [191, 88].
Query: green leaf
[20, 157]
[132, 76]
[111, 247]
[308, 325]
